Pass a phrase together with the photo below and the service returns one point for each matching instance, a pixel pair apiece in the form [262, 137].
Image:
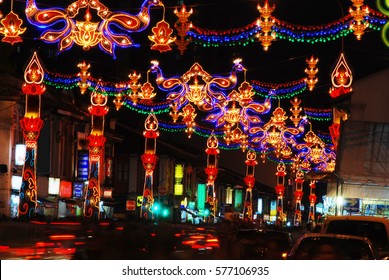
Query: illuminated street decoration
[383, 7]
[311, 71]
[359, 13]
[98, 111]
[211, 170]
[334, 129]
[149, 159]
[341, 78]
[315, 154]
[296, 110]
[11, 28]
[249, 179]
[235, 112]
[298, 195]
[295, 33]
[87, 33]
[275, 136]
[182, 26]
[161, 35]
[267, 35]
[280, 190]
[195, 87]
[312, 202]
[31, 125]
[120, 96]
[134, 85]
[84, 76]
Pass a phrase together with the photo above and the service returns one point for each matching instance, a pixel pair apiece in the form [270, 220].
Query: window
[122, 171]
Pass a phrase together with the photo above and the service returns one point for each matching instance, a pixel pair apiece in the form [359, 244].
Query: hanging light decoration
[31, 125]
[147, 91]
[195, 87]
[311, 71]
[296, 110]
[267, 35]
[234, 112]
[182, 26]
[87, 33]
[120, 96]
[341, 78]
[161, 35]
[275, 136]
[98, 111]
[149, 159]
[315, 154]
[211, 170]
[11, 27]
[249, 179]
[359, 14]
[134, 85]
[84, 76]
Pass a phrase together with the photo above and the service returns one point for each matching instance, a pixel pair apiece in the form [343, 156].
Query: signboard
[16, 182]
[65, 189]
[130, 205]
[162, 190]
[78, 189]
[54, 185]
[139, 200]
[20, 154]
[83, 165]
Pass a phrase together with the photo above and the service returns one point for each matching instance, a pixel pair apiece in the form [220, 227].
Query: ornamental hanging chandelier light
[341, 78]
[182, 26]
[11, 28]
[359, 14]
[267, 35]
[161, 35]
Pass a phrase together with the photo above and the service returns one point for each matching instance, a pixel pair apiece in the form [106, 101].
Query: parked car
[325, 246]
[263, 244]
[374, 228]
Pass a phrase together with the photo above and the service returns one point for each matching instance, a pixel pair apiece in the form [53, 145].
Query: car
[263, 244]
[374, 228]
[326, 246]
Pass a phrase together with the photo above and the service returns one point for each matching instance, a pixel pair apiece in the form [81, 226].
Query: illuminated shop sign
[83, 165]
[16, 182]
[20, 154]
[65, 189]
[54, 185]
[178, 178]
[78, 189]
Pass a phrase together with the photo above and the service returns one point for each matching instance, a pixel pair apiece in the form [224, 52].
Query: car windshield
[375, 231]
[333, 249]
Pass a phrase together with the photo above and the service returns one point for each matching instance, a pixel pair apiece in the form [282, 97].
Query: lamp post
[211, 170]
[280, 190]
[298, 194]
[249, 179]
[31, 125]
[98, 110]
[149, 159]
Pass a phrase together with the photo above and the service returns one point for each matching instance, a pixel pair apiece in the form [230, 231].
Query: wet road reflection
[105, 240]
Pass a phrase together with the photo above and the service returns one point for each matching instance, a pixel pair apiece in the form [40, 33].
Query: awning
[72, 201]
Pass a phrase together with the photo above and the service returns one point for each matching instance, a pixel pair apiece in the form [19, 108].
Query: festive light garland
[285, 31]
